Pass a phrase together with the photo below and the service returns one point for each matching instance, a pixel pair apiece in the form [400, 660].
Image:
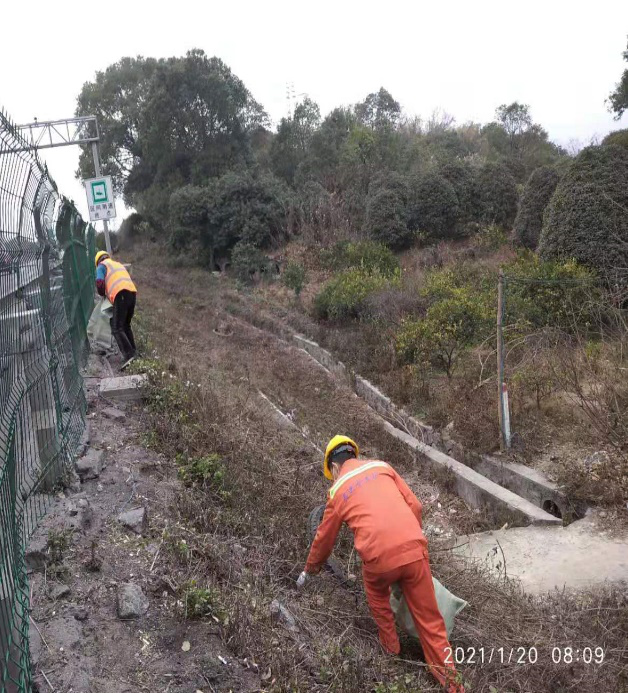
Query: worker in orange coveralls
[385, 518]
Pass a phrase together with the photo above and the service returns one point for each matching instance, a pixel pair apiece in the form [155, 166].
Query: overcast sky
[562, 57]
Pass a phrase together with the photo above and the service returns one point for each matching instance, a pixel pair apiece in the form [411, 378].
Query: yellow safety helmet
[332, 445]
[101, 255]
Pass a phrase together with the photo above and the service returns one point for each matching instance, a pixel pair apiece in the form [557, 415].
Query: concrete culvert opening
[550, 507]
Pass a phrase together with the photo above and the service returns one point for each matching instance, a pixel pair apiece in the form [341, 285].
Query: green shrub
[393, 181]
[587, 217]
[343, 296]
[498, 195]
[541, 293]
[491, 237]
[206, 472]
[249, 262]
[294, 277]
[386, 220]
[58, 544]
[435, 208]
[619, 137]
[535, 198]
[463, 178]
[367, 255]
[201, 601]
[450, 326]
[443, 283]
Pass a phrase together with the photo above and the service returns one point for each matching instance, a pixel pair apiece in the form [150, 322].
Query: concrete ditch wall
[533, 487]
[474, 488]
[374, 397]
[523, 500]
[530, 484]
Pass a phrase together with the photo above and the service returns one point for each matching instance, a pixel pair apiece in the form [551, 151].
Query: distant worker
[385, 518]
[114, 282]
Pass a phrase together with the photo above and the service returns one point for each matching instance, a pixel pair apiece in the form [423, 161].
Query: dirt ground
[210, 339]
[248, 549]
[78, 643]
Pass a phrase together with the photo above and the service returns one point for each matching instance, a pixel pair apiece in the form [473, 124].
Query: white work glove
[301, 579]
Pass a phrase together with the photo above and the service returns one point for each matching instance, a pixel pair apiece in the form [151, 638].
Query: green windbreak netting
[46, 297]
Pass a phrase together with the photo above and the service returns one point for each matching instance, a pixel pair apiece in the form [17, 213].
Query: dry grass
[252, 543]
[270, 492]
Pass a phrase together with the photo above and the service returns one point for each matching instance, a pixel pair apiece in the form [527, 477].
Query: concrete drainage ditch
[491, 484]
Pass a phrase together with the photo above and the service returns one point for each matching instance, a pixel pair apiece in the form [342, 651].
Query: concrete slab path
[546, 558]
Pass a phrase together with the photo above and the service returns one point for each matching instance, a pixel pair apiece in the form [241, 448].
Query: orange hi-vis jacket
[117, 279]
[381, 511]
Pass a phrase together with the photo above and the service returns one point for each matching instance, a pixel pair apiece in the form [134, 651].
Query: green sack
[448, 604]
[99, 325]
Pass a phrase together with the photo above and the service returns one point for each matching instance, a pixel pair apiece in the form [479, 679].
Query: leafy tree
[249, 262]
[515, 118]
[290, 146]
[587, 217]
[390, 180]
[463, 178]
[188, 216]
[235, 208]
[248, 208]
[315, 205]
[294, 277]
[379, 110]
[618, 99]
[386, 220]
[435, 207]
[327, 145]
[519, 142]
[535, 198]
[117, 97]
[498, 195]
[443, 146]
[555, 294]
[619, 137]
[165, 123]
[450, 326]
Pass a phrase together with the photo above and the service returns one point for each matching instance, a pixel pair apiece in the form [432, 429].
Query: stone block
[126, 388]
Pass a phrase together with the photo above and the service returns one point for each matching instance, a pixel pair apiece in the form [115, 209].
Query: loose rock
[132, 602]
[81, 614]
[135, 520]
[114, 414]
[279, 614]
[36, 554]
[90, 466]
[59, 591]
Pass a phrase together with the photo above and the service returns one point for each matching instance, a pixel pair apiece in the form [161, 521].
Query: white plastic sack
[448, 604]
[99, 325]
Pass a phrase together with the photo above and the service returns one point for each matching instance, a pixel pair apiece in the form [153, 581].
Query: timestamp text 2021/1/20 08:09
[523, 655]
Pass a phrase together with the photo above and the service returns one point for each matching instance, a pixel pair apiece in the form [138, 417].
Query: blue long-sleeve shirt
[101, 275]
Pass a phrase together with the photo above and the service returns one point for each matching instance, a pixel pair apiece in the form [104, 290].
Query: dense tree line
[193, 152]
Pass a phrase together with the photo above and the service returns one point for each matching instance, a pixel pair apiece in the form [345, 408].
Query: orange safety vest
[117, 279]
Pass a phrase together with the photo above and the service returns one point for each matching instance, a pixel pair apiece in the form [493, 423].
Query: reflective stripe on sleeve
[355, 472]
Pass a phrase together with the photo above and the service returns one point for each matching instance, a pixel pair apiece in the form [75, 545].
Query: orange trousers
[415, 580]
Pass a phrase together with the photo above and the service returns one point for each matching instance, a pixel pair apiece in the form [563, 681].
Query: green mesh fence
[46, 297]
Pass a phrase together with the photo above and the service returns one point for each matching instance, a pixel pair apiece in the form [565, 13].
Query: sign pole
[105, 222]
[503, 409]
